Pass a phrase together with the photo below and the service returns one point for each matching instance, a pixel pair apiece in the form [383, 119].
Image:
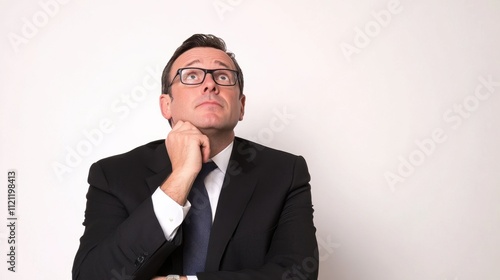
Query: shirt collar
[222, 159]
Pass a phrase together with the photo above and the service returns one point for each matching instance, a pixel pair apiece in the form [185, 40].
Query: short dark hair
[198, 41]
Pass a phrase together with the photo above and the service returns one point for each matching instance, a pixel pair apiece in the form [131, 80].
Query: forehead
[204, 57]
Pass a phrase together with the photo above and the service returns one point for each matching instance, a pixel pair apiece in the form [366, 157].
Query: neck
[219, 141]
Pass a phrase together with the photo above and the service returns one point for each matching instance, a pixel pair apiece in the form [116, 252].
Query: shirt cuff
[168, 213]
[190, 277]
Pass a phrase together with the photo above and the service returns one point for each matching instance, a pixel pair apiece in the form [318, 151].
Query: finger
[178, 125]
[205, 148]
[185, 126]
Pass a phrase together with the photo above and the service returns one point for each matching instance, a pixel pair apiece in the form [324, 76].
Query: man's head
[211, 100]
[198, 41]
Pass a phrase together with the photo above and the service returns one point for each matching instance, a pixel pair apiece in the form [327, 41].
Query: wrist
[175, 277]
[178, 187]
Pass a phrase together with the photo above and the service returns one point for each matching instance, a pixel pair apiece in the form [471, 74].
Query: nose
[209, 85]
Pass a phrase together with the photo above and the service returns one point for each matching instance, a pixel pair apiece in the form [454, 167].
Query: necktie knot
[206, 168]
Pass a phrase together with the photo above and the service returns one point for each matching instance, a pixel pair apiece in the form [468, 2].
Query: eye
[224, 76]
[192, 75]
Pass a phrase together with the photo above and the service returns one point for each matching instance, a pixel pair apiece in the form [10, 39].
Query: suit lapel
[236, 191]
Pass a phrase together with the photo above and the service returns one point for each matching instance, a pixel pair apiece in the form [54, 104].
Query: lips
[209, 102]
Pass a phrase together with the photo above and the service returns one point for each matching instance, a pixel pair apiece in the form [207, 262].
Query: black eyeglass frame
[206, 71]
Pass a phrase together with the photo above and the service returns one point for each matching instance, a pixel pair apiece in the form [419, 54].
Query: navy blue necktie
[197, 224]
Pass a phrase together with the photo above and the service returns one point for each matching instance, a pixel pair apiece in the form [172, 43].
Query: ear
[242, 111]
[165, 101]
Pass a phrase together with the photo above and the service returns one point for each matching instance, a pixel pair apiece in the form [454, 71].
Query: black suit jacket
[263, 226]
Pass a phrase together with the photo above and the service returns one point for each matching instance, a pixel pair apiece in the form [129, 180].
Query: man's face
[208, 106]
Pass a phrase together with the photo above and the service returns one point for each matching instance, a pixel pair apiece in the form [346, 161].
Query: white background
[359, 88]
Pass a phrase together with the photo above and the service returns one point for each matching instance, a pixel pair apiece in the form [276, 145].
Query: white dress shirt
[170, 214]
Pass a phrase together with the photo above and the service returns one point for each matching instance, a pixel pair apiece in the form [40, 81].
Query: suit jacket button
[139, 260]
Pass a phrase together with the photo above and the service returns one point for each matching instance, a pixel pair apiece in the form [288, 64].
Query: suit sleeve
[117, 244]
[293, 252]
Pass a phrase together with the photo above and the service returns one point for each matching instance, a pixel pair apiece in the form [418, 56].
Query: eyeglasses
[196, 76]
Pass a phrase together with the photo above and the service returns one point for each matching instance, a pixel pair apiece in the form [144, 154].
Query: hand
[187, 148]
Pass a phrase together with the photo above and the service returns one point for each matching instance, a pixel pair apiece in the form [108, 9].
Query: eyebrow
[222, 64]
[216, 61]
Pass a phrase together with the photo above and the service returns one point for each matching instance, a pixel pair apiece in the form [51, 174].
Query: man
[146, 212]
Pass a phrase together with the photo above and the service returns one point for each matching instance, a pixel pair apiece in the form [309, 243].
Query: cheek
[180, 103]
[236, 106]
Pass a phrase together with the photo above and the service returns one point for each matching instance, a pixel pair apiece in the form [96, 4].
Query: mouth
[209, 103]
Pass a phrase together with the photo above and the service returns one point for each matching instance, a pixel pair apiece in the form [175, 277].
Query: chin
[209, 121]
